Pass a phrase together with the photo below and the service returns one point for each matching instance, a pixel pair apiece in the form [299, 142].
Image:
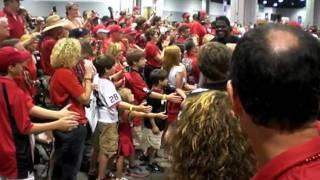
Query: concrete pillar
[243, 11]
[310, 12]
[316, 16]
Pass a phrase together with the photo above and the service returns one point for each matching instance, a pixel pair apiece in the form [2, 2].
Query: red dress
[126, 147]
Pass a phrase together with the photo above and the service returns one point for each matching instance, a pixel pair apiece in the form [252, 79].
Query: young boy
[108, 100]
[16, 158]
[135, 82]
[155, 126]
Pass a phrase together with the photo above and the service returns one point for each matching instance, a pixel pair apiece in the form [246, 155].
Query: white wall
[43, 7]
[292, 14]
[178, 7]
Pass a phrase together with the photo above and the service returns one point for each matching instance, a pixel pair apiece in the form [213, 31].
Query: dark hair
[140, 21]
[155, 19]
[195, 16]
[158, 75]
[69, 6]
[224, 19]
[78, 33]
[183, 28]
[104, 62]
[9, 42]
[150, 33]
[189, 44]
[86, 47]
[214, 61]
[278, 88]
[134, 55]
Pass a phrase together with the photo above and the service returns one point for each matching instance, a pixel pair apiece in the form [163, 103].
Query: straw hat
[27, 39]
[52, 22]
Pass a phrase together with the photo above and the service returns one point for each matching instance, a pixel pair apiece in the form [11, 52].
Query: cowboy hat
[52, 22]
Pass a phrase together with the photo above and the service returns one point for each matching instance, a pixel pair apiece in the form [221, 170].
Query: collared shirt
[151, 52]
[299, 162]
[16, 24]
[15, 150]
[65, 88]
[46, 47]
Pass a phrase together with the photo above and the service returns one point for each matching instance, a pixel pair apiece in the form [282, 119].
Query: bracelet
[88, 79]
[164, 97]
[131, 108]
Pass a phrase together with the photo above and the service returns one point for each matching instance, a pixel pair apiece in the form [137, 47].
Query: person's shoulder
[63, 72]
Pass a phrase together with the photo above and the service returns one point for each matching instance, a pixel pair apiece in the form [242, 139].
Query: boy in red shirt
[15, 124]
[135, 82]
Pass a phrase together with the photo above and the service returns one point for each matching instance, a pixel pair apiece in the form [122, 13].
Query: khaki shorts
[154, 140]
[106, 138]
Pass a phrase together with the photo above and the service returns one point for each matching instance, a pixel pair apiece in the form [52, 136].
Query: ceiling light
[275, 4]
[265, 2]
[280, 1]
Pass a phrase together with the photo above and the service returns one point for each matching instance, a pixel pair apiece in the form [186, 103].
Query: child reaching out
[126, 148]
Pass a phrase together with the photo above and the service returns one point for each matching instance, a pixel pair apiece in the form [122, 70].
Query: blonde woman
[208, 142]
[176, 77]
[64, 89]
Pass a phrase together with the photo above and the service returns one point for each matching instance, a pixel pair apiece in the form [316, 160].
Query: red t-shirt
[45, 49]
[139, 89]
[197, 29]
[16, 24]
[180, 40]
[194, 74]
[295, 163]
[64, 89]
[140, 39]
[9, 157]
[138, 86]
[151, 52]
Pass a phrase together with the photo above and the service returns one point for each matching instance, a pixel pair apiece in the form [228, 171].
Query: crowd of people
[98, 93]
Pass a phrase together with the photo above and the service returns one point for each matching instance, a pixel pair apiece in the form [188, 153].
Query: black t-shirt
[157, 107]
[230, 39]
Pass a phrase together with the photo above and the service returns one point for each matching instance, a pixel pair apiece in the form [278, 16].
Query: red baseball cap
[202, 14]
[130, 30]
[114, 28]
[10, 56]
[185, 15]
[100, 29]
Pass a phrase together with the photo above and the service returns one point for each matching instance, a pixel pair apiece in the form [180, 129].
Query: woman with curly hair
[208, 142]
[65, 88]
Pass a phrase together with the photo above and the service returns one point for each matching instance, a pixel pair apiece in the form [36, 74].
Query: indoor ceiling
[283, 3]
[279, 3]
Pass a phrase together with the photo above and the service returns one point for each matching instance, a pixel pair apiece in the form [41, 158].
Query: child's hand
[161, 115]
[155, 130]
[144, 108]
[67, 123]
[174, 98]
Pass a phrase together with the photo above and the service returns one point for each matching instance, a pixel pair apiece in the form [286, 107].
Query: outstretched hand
[65, 112]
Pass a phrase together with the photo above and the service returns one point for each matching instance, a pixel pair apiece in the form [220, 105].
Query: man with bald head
[275, 90]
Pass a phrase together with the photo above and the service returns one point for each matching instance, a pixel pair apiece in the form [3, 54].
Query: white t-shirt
[172, 75]
[109, 97]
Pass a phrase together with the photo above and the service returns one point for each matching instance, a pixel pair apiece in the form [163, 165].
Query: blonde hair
[114, 49]
[125, 94]
[210, 136]
[66, 53]
[171, 57]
